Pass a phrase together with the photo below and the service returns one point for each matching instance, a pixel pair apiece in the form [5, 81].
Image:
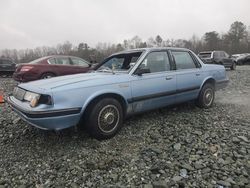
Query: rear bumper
[48, 120]
[24, 77]
[221, 84]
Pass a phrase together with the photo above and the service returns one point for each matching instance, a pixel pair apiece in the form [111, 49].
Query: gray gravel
[180, 146]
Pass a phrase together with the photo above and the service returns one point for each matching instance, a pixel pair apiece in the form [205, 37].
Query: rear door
[62, 65]
[189, 76]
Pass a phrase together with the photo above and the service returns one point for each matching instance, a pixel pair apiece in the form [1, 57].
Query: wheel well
[118, 97]
[210, 80]
[48, 73]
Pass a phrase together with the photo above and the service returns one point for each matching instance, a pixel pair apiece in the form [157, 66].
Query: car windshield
[119, 62]
[37, 60]
[205, 55]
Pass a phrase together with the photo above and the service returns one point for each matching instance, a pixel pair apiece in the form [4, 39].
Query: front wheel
[206, 96]
[104, 119]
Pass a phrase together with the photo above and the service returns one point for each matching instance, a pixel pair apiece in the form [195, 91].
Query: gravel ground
[180, 146]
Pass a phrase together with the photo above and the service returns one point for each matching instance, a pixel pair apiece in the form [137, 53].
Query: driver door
[156, 88]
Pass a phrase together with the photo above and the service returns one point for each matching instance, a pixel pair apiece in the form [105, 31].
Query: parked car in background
[218, 57]
[125, 83]
[235, 56]
[244, 59]
[50, 66]
[7, 66]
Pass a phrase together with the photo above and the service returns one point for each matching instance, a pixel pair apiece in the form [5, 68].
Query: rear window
[217, 54]
[36, 61]
[52, 61]
[205, 55]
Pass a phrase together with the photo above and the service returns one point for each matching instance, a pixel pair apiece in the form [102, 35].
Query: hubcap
[208, 97]
[108, 118]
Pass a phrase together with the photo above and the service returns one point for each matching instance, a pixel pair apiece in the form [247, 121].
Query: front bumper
[48, 120]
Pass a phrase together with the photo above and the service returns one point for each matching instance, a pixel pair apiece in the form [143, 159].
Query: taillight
[26, 68]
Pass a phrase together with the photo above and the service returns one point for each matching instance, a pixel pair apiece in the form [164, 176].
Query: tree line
[236, 40]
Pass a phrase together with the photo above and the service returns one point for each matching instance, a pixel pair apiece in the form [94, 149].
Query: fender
[99, 93]
[206, 79]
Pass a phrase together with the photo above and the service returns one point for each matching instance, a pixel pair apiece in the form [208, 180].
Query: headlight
[34, 101]
[33, 98]
[29, 96]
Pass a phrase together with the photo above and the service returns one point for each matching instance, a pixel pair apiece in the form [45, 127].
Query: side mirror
[140, 72]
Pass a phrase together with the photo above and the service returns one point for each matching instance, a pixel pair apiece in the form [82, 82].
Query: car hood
[48, 84]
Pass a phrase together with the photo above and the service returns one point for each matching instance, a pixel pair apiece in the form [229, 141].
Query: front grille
[19, 93]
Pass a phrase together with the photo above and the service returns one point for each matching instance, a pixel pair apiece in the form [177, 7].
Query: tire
[206, 96]
[233, 67]
[47, 75]
[104, 118]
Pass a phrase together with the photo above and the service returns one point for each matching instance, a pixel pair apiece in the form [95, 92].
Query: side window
[79, 62]
[156, 62]
[52, 61]
[226, 55]
[183, 60]
[62, 61]
[222, 54]
[216, 54]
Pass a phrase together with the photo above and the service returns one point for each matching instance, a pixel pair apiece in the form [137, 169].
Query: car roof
[149, 50]
[50, 56]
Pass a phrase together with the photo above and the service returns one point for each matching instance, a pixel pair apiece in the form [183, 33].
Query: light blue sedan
[125, 83]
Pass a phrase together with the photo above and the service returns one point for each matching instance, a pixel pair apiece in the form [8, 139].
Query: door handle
[197, 74]
[169, 78]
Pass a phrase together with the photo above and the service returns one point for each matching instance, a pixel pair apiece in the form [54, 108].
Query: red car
[50, 66]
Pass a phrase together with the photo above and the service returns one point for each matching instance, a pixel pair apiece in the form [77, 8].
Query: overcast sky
[32, 23]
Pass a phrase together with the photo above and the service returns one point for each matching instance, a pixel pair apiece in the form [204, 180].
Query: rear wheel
[206, 96]
[104, 118]
[47, 75]
[233, 67]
